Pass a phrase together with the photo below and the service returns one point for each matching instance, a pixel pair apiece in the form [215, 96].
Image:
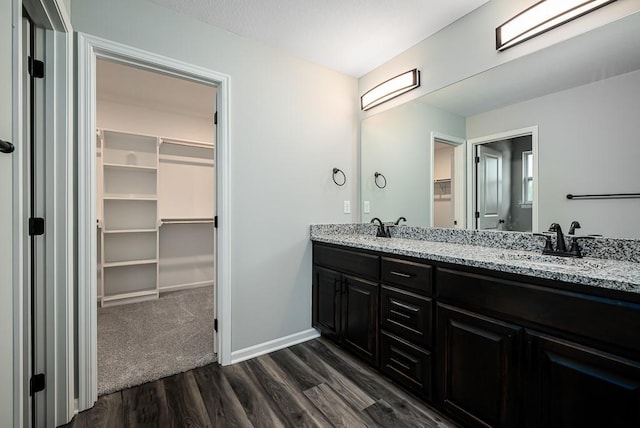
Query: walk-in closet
[155, 159]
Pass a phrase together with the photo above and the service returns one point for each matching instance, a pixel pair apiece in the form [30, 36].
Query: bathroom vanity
[491, 336]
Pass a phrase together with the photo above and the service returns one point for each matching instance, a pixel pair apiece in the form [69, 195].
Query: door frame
[89, 49]
[58, 109]
[459, 179]
[471, 170]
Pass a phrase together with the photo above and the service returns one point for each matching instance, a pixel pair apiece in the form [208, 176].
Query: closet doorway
[155, 204]
[447, 178]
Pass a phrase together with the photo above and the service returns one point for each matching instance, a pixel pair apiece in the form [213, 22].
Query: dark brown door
[327, 298]
[479, 366]
[570, 385]
[360, 317]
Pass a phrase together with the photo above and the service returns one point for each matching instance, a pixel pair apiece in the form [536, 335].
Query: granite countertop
[597, 272]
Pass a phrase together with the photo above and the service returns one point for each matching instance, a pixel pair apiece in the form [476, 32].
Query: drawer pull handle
[403, 275]
[398, 363]
[405, 306]
[400, 314]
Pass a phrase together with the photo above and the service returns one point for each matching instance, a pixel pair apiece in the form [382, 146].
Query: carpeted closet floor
[141, 342]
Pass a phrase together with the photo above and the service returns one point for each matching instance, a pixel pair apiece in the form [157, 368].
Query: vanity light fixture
[392, 88]
[541, 17]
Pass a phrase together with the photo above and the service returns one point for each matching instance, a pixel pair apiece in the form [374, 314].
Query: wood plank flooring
[314, 384]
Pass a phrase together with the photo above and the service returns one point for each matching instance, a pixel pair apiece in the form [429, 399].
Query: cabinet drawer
[406, 364]
[409, 275]
[603, 319]
[406, 315]
[347, 261]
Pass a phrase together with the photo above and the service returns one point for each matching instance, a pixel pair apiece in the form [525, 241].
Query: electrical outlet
[347, 207]
[367, 207]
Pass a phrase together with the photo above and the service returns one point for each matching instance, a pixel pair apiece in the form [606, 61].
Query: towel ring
[377, 174]
[344, 177]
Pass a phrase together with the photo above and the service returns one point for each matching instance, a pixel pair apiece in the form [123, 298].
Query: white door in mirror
[489, 170]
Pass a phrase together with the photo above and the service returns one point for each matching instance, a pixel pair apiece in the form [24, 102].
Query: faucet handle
[575, 248]
[547, 242]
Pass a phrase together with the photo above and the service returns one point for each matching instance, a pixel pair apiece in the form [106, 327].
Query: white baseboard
[273, 345]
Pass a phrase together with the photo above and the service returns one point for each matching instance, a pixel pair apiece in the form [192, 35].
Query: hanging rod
[188, 144]
[186, 220]
[605, 196]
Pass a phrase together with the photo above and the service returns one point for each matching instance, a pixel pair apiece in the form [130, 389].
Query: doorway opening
[155, 174]
[132, 156]
[504, 181]
[447, 176]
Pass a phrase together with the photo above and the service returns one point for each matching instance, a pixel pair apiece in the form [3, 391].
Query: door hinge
[36, 226]
[215, 118]
[477, 159]
[215, 324]
[215, 222]
[477, 214]
[37, 383]
[36, 68]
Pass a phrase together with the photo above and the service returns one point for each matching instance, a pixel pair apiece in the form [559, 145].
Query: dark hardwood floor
[311, 384]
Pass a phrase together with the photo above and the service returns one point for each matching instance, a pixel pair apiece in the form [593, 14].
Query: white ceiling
[351, 36]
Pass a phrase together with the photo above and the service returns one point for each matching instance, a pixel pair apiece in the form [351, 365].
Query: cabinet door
[570, 385]
[360, 317]
[478, 367]
[326, 302]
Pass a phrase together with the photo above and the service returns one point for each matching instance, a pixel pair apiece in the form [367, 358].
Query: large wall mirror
[503, 149]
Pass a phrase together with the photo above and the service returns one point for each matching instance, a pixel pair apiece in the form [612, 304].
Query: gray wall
[6, 226]
[396, 143]
[291, 122]
[588, 143]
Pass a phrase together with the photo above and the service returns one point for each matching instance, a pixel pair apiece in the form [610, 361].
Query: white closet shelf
[130, 230]
[124, 166]
[129, 197]
[130, 263]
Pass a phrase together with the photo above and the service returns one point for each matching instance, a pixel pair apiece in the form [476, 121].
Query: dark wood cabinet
[489, 349]
[571, 385]
[345, 306]
[360, 317]
[479, 367]
[327, 302]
